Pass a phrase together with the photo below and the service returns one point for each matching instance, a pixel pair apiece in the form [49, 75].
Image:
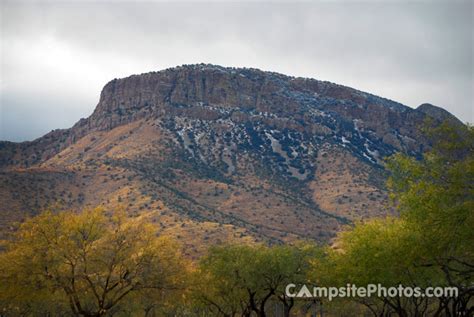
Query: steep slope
[218, 153]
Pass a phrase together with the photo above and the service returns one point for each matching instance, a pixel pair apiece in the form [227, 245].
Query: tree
[243, 279]
[435, 197]
[379, 251]
[87, 264]
[431, 244]
[219, 280]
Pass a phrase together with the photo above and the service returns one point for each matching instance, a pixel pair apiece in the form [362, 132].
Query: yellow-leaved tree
[91, 263]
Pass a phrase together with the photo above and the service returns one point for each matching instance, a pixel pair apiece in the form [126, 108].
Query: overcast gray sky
[56, 56]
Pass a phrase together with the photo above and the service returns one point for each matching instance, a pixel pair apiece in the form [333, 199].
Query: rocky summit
[215, 153]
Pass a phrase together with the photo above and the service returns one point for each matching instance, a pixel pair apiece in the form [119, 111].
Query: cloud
[56, 56]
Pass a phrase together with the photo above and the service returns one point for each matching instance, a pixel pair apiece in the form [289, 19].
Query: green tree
[243, 279]
[431, 244]
[435, 197]
[378, 251]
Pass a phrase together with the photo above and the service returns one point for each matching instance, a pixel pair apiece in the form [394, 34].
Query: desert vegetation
[104, 263]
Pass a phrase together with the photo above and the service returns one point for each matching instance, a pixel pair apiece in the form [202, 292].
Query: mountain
[215, 153]
[438, 113]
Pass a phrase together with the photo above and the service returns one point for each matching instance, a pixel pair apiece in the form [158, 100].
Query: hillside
[217, 153]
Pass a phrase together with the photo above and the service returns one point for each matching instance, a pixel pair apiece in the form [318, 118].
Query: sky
[56, 56]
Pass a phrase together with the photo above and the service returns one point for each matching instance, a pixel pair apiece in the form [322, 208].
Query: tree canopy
[430, 244]
[89, 264]
[242, 279]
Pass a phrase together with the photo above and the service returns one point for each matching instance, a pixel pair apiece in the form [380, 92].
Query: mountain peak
[438, 113]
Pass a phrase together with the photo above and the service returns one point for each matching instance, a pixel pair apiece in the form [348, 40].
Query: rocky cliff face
[213, 93]
[275, 155]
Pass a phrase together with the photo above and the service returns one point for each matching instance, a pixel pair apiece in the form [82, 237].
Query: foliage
[431, 244]
[243, 279]
[436, 195]
[87, 264]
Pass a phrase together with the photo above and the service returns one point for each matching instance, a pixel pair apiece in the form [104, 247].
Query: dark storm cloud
[56, 56]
